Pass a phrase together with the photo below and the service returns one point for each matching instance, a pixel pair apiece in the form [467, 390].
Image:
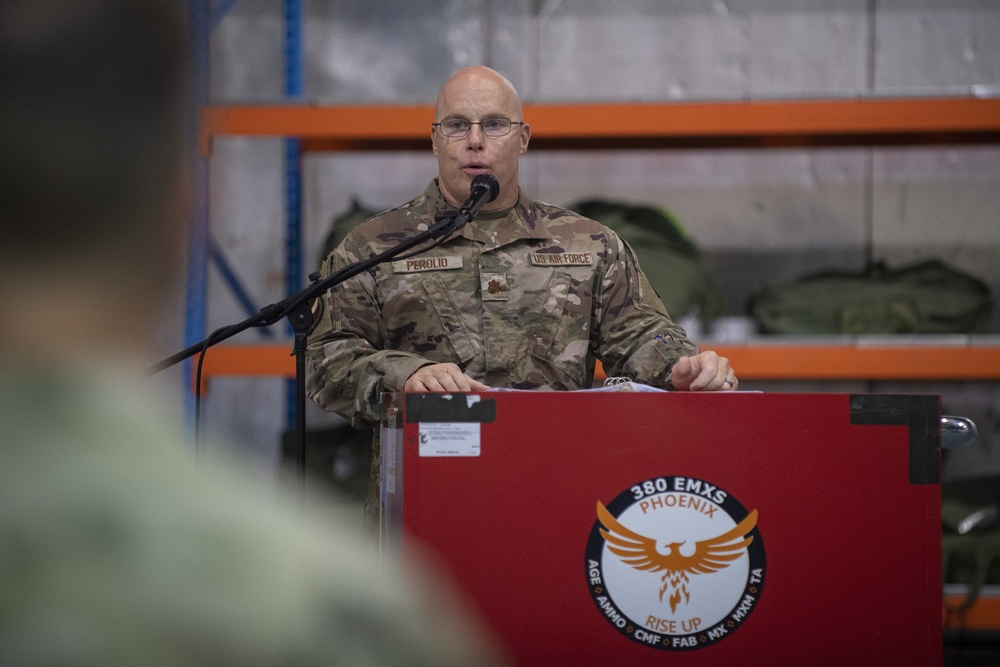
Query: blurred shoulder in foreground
[117, 546]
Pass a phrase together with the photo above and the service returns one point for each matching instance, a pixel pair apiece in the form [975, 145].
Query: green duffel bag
[926, 298]
[970, 524]
[684, 280]
[342, 225]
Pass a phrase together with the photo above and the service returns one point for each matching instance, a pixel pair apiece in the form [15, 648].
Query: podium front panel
[679, 528]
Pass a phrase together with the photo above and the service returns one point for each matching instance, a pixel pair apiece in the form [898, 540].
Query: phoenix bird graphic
[641, 552]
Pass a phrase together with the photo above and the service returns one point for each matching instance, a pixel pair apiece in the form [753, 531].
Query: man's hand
[442, 377]
[706, 371]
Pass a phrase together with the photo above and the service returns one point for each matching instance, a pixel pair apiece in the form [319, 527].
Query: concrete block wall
[760, 215]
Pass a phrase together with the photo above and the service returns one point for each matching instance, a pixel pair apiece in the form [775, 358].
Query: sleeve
[347, 367]
[636, 337]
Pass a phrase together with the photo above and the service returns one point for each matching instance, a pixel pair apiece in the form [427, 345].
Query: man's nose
[476, 137]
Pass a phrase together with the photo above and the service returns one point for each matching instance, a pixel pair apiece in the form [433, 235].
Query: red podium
[625, 528]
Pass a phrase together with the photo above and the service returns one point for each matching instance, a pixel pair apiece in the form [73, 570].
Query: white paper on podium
[616, 385]
[449, 438]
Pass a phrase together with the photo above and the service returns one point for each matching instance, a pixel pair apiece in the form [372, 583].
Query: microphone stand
[298, 309]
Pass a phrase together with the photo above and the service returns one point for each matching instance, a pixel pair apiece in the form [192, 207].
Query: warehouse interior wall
[759, 215]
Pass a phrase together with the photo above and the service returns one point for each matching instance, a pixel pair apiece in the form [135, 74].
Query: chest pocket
[560, 328]
[421, 315]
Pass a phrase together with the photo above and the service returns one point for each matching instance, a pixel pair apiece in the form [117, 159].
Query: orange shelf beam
[752, 362]
[984, 614]
[252, 360]
[625, 125]
[852, 362]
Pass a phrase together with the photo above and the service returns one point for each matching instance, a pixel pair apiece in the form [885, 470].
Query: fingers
[683, 373]
[706, 371]
[442, 377]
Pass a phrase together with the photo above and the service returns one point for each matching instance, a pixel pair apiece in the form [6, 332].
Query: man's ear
[434, 143]
[525, 137]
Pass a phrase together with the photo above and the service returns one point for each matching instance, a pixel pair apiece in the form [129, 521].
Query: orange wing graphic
[709, 555]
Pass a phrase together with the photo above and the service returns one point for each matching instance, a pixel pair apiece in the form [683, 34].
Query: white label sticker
[449, 438]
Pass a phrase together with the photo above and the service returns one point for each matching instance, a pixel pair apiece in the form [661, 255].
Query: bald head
[476, 94]
[478, 80]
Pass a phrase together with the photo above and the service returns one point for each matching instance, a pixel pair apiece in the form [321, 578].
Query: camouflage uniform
[526, 298]
[118, 548]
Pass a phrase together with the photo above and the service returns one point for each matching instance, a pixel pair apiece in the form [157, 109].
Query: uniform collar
[521, 221]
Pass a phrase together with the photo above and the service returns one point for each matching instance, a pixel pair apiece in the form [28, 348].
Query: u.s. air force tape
[561, 258]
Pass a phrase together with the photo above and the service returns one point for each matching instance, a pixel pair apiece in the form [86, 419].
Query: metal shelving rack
[758, 124]
[861, 121]
[201, 247]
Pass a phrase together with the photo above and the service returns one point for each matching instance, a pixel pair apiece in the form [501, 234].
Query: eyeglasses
[491, 127]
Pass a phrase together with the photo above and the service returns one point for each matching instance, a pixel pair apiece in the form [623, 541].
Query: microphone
[483, 190]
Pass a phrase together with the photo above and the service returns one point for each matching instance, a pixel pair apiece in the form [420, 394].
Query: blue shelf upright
[201, 248]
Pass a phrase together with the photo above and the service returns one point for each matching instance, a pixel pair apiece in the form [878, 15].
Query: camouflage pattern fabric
[526, 298]
[120, 549]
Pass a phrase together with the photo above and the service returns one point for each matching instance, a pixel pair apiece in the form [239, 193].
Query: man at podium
[526, 296]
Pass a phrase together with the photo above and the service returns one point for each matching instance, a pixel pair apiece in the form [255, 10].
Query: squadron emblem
[675, 563]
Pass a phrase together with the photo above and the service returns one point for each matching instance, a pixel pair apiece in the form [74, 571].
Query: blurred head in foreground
[116, 546]
[93, 185]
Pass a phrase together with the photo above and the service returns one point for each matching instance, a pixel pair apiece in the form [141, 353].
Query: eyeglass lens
[491, 127]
